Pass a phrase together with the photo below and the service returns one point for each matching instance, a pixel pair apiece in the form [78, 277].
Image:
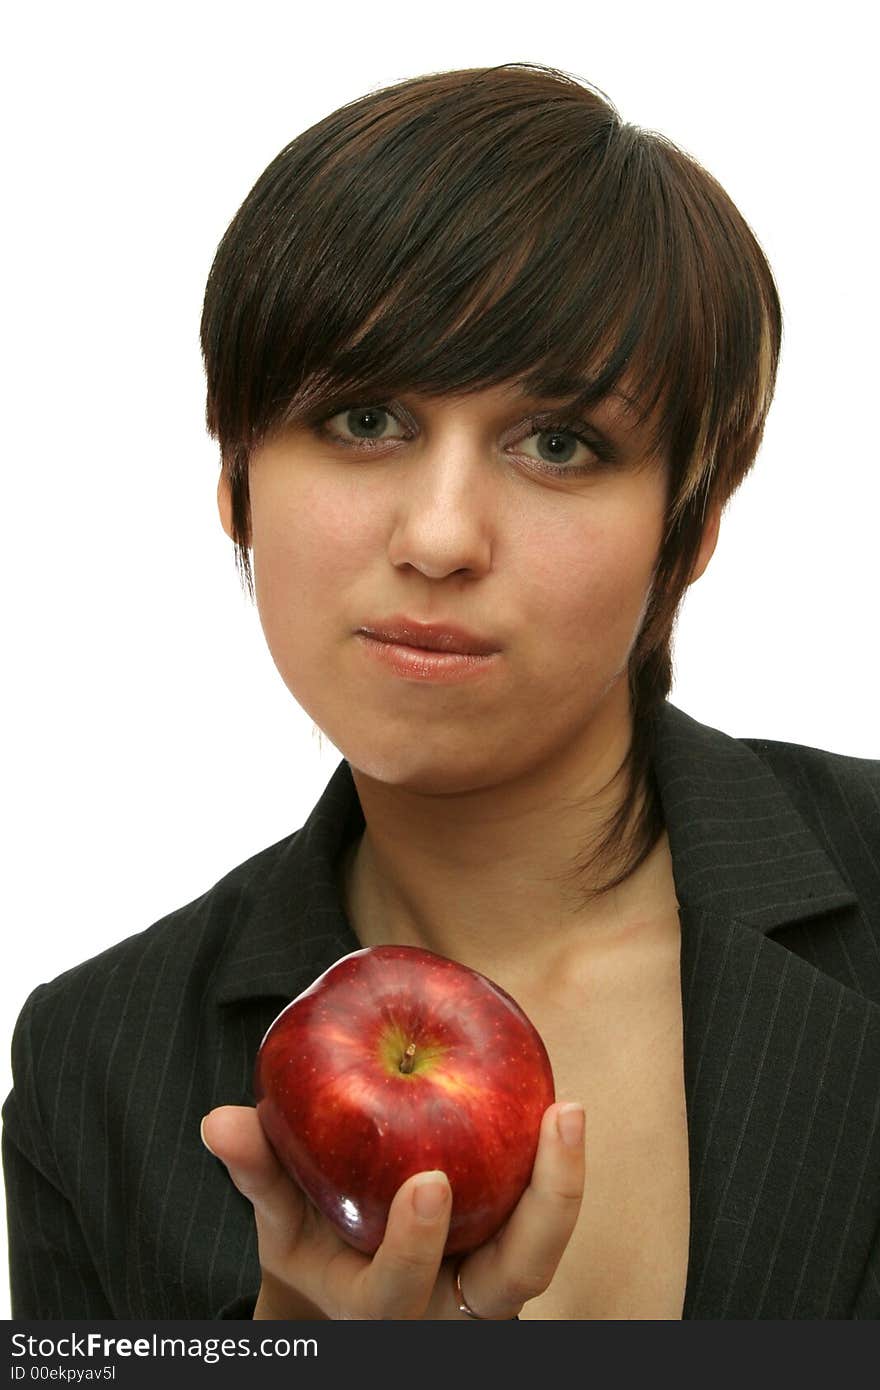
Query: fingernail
[570, 1124]
[430, 1191]
[202, 1133]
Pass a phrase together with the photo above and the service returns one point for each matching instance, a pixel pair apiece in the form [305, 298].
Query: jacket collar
[739, 846]
[290, 924]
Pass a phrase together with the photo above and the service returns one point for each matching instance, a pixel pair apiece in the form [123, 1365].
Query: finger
[520, 1264]
[400, 1279]
[233, 1133]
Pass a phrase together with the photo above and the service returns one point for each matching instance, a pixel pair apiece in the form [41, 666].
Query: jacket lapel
[781, 1056]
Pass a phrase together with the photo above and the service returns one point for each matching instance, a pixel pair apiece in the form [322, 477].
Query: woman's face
[460, 510]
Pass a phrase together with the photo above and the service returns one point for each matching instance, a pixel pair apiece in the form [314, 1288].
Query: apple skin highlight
[395, 1061]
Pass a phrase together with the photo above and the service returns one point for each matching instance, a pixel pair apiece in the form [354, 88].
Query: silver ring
[465, 1307]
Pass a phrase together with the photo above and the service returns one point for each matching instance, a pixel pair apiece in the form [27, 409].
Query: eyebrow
[570, 394]
[575, 406]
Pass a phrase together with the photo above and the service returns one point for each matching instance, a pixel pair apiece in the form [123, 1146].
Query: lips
[432, 637]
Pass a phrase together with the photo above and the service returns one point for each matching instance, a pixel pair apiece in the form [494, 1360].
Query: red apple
[394, 1061]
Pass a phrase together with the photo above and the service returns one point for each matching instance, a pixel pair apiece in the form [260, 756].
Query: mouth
[448, 638]
[405, 655]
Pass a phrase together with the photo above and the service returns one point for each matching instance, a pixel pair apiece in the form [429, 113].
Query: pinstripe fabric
[117, 1210]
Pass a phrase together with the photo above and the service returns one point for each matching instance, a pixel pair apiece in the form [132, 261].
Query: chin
[451, 766]
[417, 759]
[416, 770]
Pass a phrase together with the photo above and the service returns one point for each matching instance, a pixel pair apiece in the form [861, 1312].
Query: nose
[445, 510]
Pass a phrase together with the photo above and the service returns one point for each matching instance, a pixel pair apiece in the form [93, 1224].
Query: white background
[150, 744]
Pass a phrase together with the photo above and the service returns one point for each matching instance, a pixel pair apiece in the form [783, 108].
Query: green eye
[366, 424]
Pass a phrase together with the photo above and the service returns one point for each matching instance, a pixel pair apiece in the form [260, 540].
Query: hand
[308, 1270]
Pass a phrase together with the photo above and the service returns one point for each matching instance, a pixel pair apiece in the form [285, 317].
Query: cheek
[594, 581]
[305, 544]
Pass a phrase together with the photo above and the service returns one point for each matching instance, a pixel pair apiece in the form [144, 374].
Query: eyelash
[541, 425]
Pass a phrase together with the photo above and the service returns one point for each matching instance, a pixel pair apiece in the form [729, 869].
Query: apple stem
[406, 1064]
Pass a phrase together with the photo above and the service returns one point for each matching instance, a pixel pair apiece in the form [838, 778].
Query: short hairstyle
[467, 229]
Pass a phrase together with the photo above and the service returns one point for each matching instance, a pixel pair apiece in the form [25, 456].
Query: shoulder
[821, 781]
[143, 982]
[189, 994]
[140, 1009]
[838, 797]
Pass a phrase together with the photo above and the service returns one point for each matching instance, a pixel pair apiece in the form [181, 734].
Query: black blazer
[117, 1210]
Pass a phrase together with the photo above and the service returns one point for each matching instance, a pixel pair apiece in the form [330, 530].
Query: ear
[707, 544]
[224, 503]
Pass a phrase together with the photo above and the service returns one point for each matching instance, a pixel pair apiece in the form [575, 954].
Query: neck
[485, 876]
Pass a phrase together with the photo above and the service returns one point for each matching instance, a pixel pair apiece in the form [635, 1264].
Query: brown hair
[466, 229]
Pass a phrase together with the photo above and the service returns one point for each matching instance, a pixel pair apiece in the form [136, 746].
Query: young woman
[485, 364]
